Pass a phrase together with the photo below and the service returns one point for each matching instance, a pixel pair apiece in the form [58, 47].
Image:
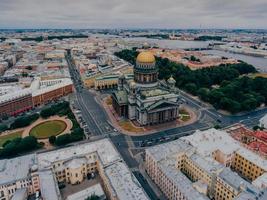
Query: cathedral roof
[145, 57]
[121, 96]
[154, 92]
[161, 104]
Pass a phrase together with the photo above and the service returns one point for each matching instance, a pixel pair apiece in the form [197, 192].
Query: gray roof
[183, 183]
[168, 150]
[154, 92]
[48, 185]
[16, 168]
[237, 182]
[161, 104]
[20, 194]
[121, 96]
[207, 165]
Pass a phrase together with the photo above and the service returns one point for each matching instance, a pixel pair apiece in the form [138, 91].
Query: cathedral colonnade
[162, 116]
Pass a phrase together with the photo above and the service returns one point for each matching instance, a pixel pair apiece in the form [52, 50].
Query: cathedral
[145, 99]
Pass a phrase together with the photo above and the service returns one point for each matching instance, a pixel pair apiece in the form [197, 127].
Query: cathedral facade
[144, 98]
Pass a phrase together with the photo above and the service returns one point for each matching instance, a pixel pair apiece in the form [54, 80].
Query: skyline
[170, 14]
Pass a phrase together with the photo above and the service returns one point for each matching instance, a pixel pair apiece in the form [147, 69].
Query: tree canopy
[19, 145]
[24, 121]
[225, 86]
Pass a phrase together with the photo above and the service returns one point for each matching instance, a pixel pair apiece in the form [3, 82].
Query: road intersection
[97, 121]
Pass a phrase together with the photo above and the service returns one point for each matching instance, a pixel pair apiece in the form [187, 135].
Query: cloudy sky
[133, 13]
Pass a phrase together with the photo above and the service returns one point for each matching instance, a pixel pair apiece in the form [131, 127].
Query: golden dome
[145, 57]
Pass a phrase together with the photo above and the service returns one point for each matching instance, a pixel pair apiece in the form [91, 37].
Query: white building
[206, 165]
[70, 165]
[263, 121]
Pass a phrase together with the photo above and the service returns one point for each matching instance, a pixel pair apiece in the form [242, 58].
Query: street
[98, 124]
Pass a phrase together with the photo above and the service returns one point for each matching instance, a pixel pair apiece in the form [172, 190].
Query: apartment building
[207, 165]
[39, 93]
[16, 174]
[42, 172]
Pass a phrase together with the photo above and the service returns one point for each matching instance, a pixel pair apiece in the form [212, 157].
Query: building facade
[207, 165]
[14, 179]
[42, 172]
[145, 99]
[15, 106]
[39, 93]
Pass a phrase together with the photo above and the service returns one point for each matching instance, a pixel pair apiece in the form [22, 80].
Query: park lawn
[10, 136]
[46, 129]
[184, 115]
[128, 126]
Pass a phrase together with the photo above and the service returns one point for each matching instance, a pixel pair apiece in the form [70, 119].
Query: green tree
[93, 197]
[215, 96]
[191, 87]
[249, 104]
[63, 140]
[28, 143]
[203, 93]
[18, 145]
[231, 105]
[24, 121]
[3, 127]
[52, 139]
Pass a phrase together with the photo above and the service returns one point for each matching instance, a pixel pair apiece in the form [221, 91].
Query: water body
[259, 62]
[171, 44]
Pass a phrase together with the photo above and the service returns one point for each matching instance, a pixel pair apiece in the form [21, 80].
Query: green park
[49, 128]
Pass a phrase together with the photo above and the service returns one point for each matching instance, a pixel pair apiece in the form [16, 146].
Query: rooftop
[185, 185]
[104, 148]
[124, 182]
[48, 184]
[16, 168]
[20, 194]
[121, 96]
[237, 182]
[211, 140]
[82, 195]
[154, 92]
[168, 150]
[210, 166]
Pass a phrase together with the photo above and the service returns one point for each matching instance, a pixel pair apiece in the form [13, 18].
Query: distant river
[171, 44]
[259, 62]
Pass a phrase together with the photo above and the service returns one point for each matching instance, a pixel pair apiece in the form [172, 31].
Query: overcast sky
[133, 14]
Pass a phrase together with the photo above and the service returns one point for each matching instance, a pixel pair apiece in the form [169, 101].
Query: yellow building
[198, 167]
[109, 81]
[247, 168]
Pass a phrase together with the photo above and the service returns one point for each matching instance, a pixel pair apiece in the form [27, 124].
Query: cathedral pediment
[161, 104]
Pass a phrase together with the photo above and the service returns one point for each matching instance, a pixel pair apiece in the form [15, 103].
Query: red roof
[258, 146]
[262, 135]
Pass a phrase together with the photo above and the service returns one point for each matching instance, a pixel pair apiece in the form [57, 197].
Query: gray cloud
[133, 13]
